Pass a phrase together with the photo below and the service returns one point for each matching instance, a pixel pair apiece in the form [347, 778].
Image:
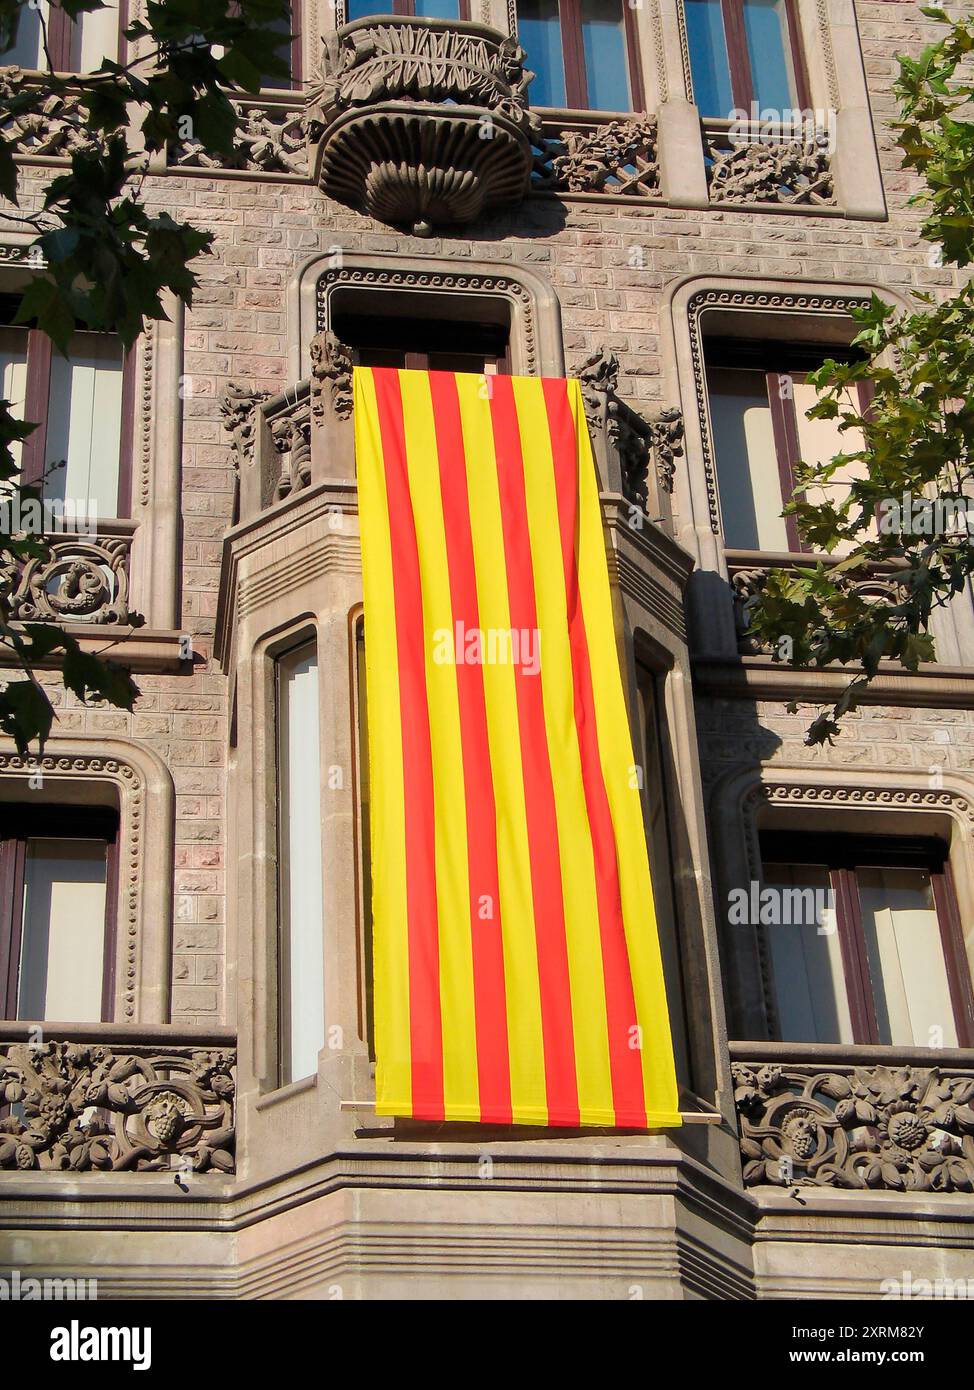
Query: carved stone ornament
[902, 1129]
[54, 131]
[617, 158]
[78, 580]
[270, 140]
[747, 581]
[238, 407]
[638, 439]
[291, 435]
[419, 122]
[84, 1107]
[761, 171]
[331, 365]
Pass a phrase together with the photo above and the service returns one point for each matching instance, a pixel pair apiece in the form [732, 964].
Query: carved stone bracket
[78, 580]
[897, 1128]
[84, 1107]
[617, 158]
[629, 441]
[419, 122]
[768, 171]
[238, 407]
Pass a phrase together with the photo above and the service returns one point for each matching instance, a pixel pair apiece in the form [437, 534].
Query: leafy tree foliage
[104, 260]
[917, 432]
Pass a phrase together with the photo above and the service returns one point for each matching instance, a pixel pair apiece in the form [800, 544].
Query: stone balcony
[110, 1098]
[421, 122]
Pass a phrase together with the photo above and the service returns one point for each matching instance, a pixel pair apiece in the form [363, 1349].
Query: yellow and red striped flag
[517, 971]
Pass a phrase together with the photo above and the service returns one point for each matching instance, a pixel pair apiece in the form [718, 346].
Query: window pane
[62, 959]
[94, 36]
[772, 78]
[539, 32]
[437, 9]
[302, 915]
[709, 66]
[819, 441]
[806, 958]
[285, 29]
[28, 51]
[906, 958]
[364, 9]
[606, 62]
[84, 423]
[13, 375]
[747, 463]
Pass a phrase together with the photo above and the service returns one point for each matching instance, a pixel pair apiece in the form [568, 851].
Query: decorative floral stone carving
[291, 434]
[637, 439]
[903, 1129]
[78, 580]
[747, 581]
[56, 130]
[762, 171]
[82, 1107]
[238, 408]
[270, 140]
[419, 122]
[616, 158]
[331, 364]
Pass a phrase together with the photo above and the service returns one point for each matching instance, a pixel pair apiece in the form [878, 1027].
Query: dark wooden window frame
[573, 55]
[843, 856]
[758, 356]
[60, 34]
[20, 823]
[36, 406]
[372, 341]
[739, 58]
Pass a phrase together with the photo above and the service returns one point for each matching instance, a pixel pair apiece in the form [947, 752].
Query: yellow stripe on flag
[460, 1085]
[528, 1089]
[575, 842]
[390, 936]
[615, 745]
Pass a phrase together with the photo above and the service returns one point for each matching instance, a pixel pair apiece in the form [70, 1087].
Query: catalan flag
[517, 972]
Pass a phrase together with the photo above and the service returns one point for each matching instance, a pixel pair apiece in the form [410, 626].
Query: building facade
[682, 208]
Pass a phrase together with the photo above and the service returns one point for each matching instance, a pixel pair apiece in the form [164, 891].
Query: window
[422, 9]
[429, 344]
[58, 890]
[77, 45]
[301, 908]
[759, 395]
[744, 52]
[364, 833]
[582, 52]
[865, 943]
[81, 450]
[290, 51]
[657, 780]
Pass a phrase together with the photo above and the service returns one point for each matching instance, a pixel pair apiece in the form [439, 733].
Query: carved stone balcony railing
[420, 122]
[109, 1105]
[81, 579]
[619, 158]
[784, 167]
[843, 1118]
[748, 573]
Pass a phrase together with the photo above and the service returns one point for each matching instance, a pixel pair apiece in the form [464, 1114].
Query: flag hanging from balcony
[517, 971]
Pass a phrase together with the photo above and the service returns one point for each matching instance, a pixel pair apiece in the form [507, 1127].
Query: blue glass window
[743, 52]
[578, 51]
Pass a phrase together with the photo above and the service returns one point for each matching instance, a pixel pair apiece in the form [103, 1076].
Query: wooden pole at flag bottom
[691, 1117]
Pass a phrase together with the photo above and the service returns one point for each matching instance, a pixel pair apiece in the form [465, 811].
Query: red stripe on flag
[624, 1060]
[490, 1000]
[561, 1081]
[425, 1027]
